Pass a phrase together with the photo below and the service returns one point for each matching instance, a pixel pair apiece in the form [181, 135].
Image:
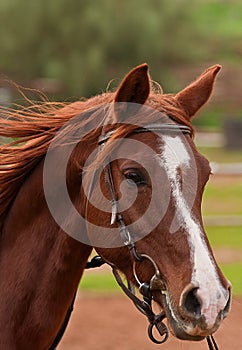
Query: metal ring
[144, 256]
[151, 336]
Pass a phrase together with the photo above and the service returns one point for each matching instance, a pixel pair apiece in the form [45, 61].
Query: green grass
[102, 282]
[223, 196]
[225, 237]
[234, 274]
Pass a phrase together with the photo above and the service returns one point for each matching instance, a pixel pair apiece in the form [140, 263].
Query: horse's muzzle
[188, 322]
[196, 313]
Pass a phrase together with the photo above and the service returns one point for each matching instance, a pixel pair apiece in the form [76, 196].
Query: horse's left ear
[194, 96]
[135, 86]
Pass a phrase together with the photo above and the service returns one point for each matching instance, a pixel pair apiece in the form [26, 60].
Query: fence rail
[230, 220]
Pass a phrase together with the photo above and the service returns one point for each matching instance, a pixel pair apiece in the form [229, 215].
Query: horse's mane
[32, 128]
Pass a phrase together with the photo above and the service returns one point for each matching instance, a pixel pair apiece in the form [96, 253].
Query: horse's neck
[40, 267]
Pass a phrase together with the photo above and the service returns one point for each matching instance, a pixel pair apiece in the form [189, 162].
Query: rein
[144, 306]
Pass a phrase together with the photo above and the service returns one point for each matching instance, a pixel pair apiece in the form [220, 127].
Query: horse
[118, 172]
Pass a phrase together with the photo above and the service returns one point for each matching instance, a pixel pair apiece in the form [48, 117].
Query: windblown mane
[32, 128]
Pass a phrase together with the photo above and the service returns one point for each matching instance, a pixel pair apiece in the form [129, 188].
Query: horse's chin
[178, 326]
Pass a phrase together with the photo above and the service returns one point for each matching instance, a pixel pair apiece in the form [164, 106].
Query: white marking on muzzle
[211, 293]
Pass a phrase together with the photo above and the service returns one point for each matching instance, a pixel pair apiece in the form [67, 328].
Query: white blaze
[211, 293]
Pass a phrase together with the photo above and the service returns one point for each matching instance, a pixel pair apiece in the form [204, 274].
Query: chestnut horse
[137, 146]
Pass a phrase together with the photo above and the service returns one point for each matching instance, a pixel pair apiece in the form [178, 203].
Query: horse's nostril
[190, 303]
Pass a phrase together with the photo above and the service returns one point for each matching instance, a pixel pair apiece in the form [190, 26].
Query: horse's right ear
[134, 89]
[135, 86]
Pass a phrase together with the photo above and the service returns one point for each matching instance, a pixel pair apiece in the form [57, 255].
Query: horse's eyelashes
[135, 177]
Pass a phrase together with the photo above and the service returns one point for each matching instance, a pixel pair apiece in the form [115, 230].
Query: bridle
[157, 282]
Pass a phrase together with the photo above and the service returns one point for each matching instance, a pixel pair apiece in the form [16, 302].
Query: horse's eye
[135, 178]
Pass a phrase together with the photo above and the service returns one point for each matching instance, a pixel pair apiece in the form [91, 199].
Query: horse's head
[158, 178]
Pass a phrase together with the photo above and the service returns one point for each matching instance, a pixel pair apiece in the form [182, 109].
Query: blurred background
[70, 49]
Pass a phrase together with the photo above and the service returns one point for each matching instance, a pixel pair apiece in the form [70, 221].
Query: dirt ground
[102, 322]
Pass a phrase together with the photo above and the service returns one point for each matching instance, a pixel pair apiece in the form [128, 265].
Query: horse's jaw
[181, 328]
